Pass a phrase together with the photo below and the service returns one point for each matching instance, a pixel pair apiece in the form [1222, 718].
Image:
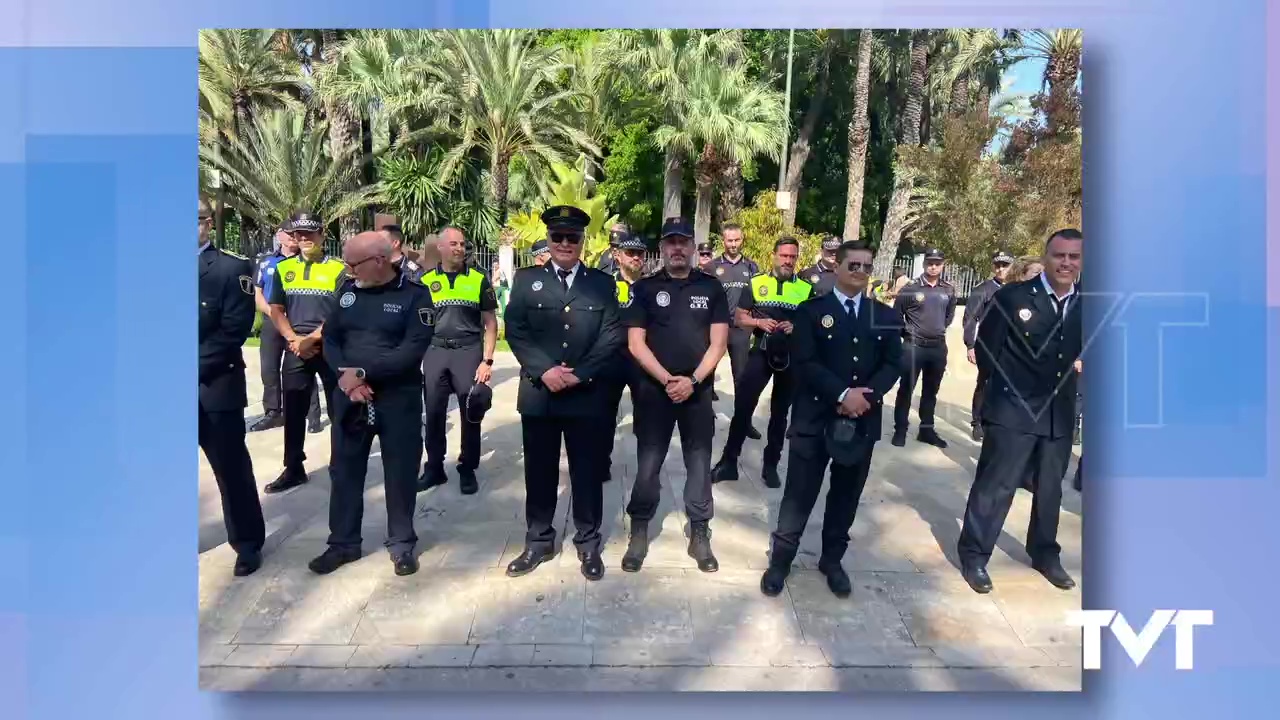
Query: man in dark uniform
[540, 253]
[1029, 342]
[822, 276]
[687, 313]
[373, 338]
[460, 357]
[301, 297]
[608, 263]
[226, 317]
[767, 311]
[734, 271]
[271, 346]
[927, 305]
[847, 348]
[402, 261]
[562, 325]
[973, 311]
[706, 255]
[629, 259]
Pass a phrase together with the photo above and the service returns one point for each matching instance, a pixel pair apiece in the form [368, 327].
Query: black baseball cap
[305, 221]
[676, 226]
[1002, 257]
[565, 217]
[933, 254]
[479, 402]
[847, 441]
[617, 237]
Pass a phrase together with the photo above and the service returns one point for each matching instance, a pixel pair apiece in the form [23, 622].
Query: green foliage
[762, 227]
[633, 177]
[569, 188]
[410, 188]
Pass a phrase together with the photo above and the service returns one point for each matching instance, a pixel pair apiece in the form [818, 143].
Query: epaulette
[224, 251]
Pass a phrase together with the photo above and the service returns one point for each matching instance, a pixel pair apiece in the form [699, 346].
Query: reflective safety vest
[767, 295]
[308, 289]
[464, 292]
[624, 290]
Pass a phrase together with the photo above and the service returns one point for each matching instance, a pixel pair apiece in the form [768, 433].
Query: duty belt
[925, 342]
[453, 344]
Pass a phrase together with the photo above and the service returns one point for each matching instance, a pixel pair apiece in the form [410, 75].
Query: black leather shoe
[1055, 574]
[770, 477]
[700, 547]
[637, 548]
[289, 479]
[977, 433]
[774, 581]
[269, 421]
[528, 561]
[837, 579]
[247, 564]
[406, 563]
[929, 436]
[899, 438]
[724, 471]
[467, 481]
[332, 559]
[432, 475]
[978, 579]
[592, 565]
[753, 433]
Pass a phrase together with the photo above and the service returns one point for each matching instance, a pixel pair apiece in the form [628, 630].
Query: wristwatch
[359, 373]
[488, 361]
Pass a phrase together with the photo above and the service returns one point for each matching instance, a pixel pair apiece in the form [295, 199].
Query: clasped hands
[679, 388]
[559, 378]
[855, 402]
[305, 347]
[355, 388]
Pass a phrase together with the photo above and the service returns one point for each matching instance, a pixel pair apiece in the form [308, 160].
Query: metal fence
[963, 278]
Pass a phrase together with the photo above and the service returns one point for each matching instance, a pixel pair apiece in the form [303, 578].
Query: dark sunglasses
[633, 253]
[859, 266]
[705, 254]
[566, 238]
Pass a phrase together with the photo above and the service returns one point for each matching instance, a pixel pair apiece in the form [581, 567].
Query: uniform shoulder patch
[246, 284]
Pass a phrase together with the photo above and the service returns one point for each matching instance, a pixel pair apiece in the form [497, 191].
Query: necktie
[850, 307]
[564, 278]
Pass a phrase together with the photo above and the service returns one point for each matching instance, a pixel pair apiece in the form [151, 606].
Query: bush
[762, 227]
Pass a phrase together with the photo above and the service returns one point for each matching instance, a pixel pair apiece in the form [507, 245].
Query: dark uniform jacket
[927, 311]
[822, 279]
[1027, 351]
[832, 351]
[546, 327]
[226, 319]
[384, 329]
[975, 306]
[736, 279]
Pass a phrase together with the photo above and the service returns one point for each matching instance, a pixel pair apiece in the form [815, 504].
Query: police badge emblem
[246, 284]
[828, 321]
[763, 292]
[537, 285]
[919, 297]
[719, 271]
[289, 276]
[814, 279]
[348, 299]
[435, 286]
[426, 316]
[663, 299]
[1024, 314]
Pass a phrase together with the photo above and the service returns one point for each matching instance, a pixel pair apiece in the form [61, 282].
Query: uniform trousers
[1008, 456]
[975, 416]
[609, 430]
[542, 437]
[298, 378]
[806, 466]
[221, 435]
[919, 362]
[450, 371]
[395, 420]
[656, 418]
[739, 346]
[271, 351]
[750, 385]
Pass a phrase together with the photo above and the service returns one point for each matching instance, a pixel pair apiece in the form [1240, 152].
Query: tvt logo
[1138, 645]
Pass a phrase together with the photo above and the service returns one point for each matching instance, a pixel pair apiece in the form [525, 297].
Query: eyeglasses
[353, 265]
[859, 266]
[565, 238]
[705, 254]
[633, 253]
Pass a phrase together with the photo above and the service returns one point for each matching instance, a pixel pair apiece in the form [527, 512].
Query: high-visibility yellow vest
[767, 294]
[463, 292]
[300, 277]
[624, 290]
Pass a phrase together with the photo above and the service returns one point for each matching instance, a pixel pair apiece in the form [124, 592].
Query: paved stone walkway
[460, 623]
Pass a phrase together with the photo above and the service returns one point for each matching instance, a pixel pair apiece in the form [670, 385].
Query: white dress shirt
[573, 272]
[857, 308]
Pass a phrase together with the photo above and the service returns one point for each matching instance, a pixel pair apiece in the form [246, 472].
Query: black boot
[432, 475]
[899, 437]
[837, 579]
[929, 436]
[774, 580]
[291, 478]
[637, 548]
[725, 470]
[700, 547]
[467, 482]
[770, 476]
[273, 419]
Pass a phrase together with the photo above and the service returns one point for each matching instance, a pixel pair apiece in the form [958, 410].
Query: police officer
[629, 259]
[767, 311]
[974, 308]
[373, 338]
[271, 346]
[822, 275]
[406, 264]
[847, 348]
[678, 328]
[301, 297]
[608, 261]
[460, 356]
[734, 271]
[1029, 342]
[226, 317]
[927, 305]
[562, 324]
[540, 252]
[706, 254]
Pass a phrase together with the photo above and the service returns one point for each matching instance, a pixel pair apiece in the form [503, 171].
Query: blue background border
[97, 175]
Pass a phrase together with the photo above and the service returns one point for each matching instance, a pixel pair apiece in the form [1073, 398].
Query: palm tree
[242, 71]
[664, 61]
[975, 65]
[726, 117]
[499, 98]
[604, 96]
[280, 164]
[903, 182]
[859, 137]
[824, 44]
[343, 119]
[1061, 50]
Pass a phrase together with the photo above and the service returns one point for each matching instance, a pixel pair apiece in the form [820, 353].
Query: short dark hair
[394, 231]
[729, 226]
[1065, 234]
[787, 240]
[848, 247]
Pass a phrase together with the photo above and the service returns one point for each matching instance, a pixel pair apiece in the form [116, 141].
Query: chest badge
[828, 321]
[763, 292]
[347, 300]
[919, 297]
[663, 299]
[537, 285]
[289, 276]
[435, 286]
[1024, 314]
[719, 271]
[814, 279]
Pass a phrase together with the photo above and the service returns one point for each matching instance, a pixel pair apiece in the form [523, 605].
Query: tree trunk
[369, 173]
[501, 175]
[344, 129]
[959, 103]
[803, 144]
[900, 200]
[984, 98]
[926, 120]
[672, 184]
[731, 191]
[859, 137]
[704, 175]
